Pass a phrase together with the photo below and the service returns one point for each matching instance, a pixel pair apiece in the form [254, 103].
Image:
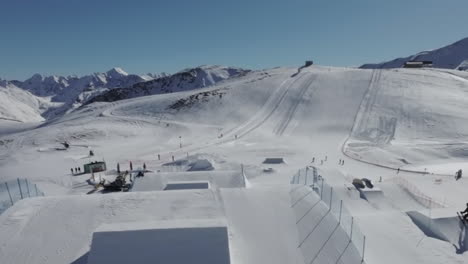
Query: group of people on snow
[340, 162]
[77, 170]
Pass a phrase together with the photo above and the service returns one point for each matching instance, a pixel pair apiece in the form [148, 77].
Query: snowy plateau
[226, 165]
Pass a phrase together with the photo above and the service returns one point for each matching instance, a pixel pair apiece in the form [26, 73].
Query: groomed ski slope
[391, 118]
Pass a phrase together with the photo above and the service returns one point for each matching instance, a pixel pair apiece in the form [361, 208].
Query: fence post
[35, 187]
[27, 187]
[351, 233]
[9, 194]
[331, 198]
[341, 207]
[19, 185]
[363, 248]
[321, 190]
[307, 168]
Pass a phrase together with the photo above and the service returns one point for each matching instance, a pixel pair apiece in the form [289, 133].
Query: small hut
[95, 166]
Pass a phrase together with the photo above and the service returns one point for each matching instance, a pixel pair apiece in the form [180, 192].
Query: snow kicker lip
[448, 229]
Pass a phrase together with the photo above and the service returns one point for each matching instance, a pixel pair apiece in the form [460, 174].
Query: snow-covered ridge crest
[185, 80]
[448, 57]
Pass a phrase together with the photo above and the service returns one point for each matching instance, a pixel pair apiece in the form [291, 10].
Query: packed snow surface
[405, 130]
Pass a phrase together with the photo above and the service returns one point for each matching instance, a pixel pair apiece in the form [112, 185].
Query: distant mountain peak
[116, 72]
[185, 80]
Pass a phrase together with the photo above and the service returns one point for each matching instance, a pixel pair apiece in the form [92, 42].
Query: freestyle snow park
[215, 164]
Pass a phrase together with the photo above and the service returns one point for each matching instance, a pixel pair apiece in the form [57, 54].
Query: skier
[76, 170]
[458, 174]
[159, 157]
[79, 169]
[118, 168]
[71, 171]
[313, 159]
[398, 171]
[144, 166]
[465, 213]
[91, 153]
[339, 162]
[342, 162]
[131, 166]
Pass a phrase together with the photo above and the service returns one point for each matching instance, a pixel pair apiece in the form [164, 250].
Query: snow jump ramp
[175, 242]
[443, 226]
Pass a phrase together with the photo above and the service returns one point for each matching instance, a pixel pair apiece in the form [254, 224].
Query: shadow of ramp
[448, 229]
[273, 161]
[176, 242]
[81, 260]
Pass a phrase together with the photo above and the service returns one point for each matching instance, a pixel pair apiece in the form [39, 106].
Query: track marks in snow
[381, 131]
[291, 111]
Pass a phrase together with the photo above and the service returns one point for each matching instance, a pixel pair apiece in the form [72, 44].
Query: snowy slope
[362, 117]
[17, 104]
[408, 115]
[448, 57]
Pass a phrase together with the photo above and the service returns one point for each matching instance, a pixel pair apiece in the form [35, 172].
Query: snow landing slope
[448, 57]
[408, 115]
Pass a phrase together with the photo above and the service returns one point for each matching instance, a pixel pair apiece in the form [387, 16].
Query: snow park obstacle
[442, 225]
[176, 242]
[187, 185]
[273, 161]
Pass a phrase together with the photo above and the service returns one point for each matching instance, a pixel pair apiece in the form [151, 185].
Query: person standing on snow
[458, 174]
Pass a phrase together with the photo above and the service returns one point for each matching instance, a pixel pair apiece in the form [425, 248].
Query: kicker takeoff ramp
[443, 225]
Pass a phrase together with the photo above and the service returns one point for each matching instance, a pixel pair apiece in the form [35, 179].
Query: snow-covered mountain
[68, 93]
[19, 105]
[66, 89]
[448, 57]
[45, 97]
[185, 80]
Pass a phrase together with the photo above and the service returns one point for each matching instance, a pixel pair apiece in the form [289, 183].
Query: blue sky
[84, 36]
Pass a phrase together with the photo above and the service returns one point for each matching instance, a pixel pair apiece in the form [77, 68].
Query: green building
[95, 166]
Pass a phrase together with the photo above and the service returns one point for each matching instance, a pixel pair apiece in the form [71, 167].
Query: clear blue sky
[84, 36]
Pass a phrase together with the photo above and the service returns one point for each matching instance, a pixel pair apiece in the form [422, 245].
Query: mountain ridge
[447, 57]
[59, 95]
